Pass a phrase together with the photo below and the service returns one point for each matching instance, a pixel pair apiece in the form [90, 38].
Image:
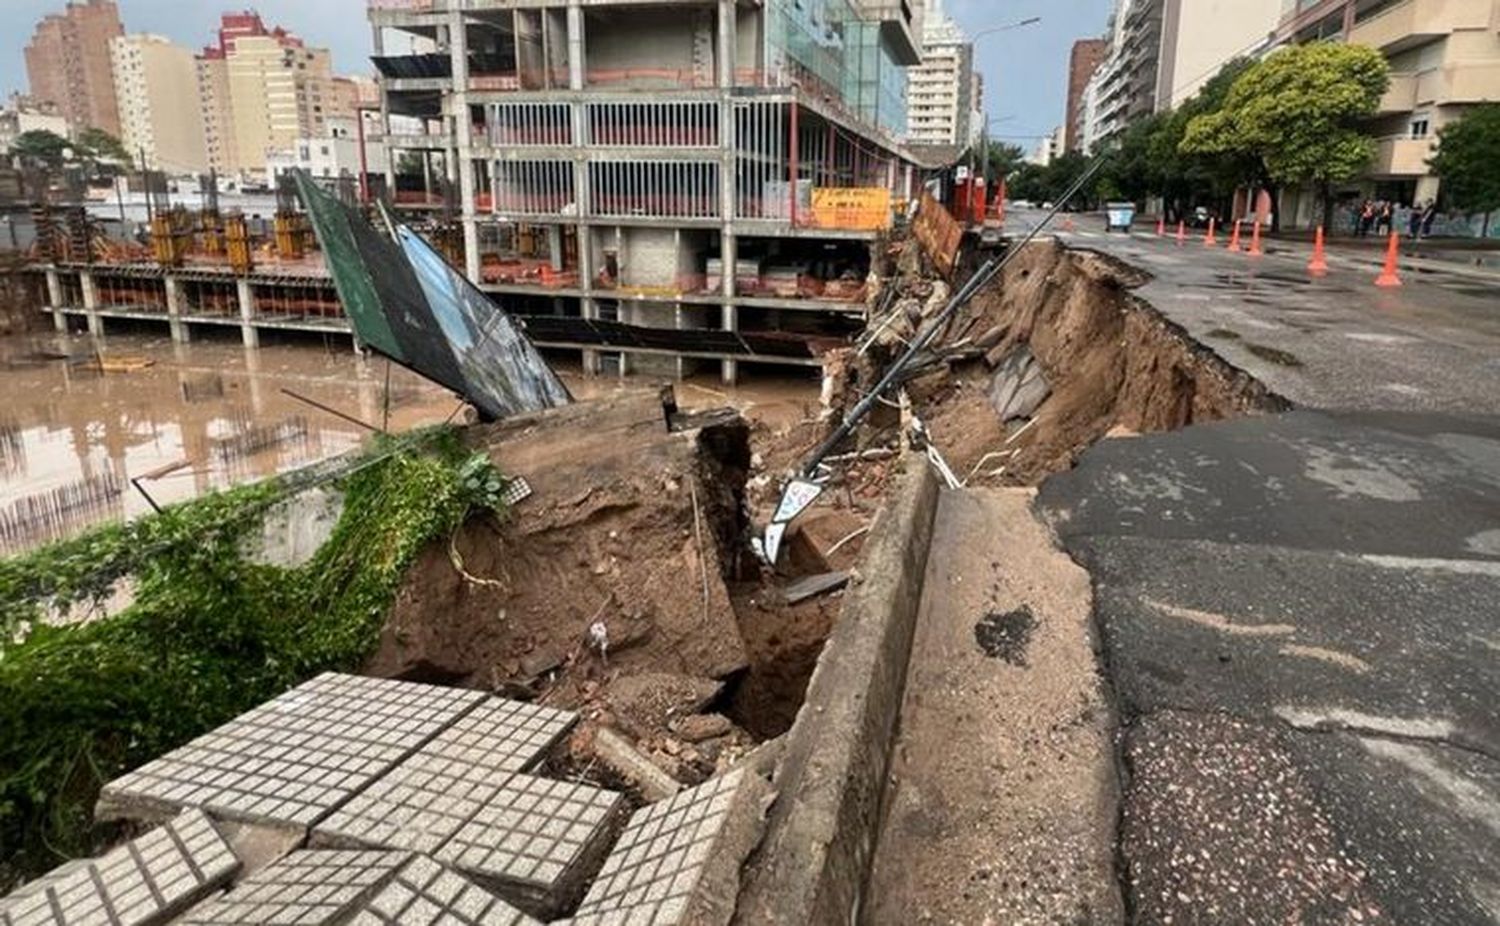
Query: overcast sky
[1025, 70]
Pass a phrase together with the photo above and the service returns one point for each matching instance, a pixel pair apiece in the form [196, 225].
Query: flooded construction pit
[182, 419]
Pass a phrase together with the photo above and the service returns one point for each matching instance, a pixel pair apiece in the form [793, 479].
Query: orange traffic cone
[1255, 250]
[1209, 241]
[1161, 227]
[1388, 275]
[1319, 263]
[1234, 237]
[1181, 233]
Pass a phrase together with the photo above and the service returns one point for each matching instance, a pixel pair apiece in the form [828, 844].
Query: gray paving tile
[293, 759]
[662, 861]
[313, 887]
[147, 880]
[536, 841]
[429, 796]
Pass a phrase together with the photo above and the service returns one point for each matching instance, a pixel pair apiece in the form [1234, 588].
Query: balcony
[1401, 96]
[1402, 157]
[1417, 22]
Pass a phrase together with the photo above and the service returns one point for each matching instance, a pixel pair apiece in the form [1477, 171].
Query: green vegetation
[1298, 116]
[40, 145]
[1468, 160]
[208, 635]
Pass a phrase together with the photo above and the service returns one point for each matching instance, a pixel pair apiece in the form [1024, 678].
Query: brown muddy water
[211, 414]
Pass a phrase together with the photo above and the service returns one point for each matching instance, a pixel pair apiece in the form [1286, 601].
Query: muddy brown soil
[1113, 363]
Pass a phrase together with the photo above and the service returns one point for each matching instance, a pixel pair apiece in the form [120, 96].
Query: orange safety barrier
[1209, 241]
[1161, 227]
[1255, 250]
[1234, 237]
[1181, 233]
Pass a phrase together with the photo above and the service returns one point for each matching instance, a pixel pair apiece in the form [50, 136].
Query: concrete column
[377, 41]
[249, 334]
[175, 301]
[729, 313]
[575, 45]
[463, 132]
[91, 302]
[55, 299]
[554, 246]
[727, 42]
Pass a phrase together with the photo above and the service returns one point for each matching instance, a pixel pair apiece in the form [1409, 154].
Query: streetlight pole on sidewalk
[984, 138]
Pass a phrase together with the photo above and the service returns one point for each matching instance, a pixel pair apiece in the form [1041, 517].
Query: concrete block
[313, 887]
[616, 753]
[148, 880]
[292, 760]
[678, 862]
[536, 841]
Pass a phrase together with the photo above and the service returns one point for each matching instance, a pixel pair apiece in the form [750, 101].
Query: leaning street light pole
[1031, 21]
[984, 140]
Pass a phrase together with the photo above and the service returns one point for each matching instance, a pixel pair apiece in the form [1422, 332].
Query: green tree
[1004, 159]
[1468, 160]
[1028, 182]
[40, 145]
[1300, 114]
[95, 144]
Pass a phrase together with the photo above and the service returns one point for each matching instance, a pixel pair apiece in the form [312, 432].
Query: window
[323, 150]
[1419, 127]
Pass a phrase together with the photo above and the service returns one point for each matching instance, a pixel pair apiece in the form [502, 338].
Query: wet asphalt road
[1300, 614]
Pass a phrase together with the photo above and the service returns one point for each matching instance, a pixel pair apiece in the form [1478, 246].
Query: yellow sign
[853, 209]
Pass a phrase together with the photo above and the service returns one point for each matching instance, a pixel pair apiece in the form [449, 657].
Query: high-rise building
[941, 109]
[1199, 37]
[260, 90]
[68, 64]
[658, 187]
[161, 117]
[1444, 57]
[1084, 60]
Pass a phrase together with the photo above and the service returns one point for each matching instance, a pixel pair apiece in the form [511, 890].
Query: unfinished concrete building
[664, 185]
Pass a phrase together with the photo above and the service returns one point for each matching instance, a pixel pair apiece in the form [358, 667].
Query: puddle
[1006, 636]
[1272, 355]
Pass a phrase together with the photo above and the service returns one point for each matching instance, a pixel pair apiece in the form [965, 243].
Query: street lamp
[984, 138]
[1015, 25]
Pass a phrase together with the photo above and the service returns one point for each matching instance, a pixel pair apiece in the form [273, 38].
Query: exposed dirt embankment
[19, 296]
[1110, 363]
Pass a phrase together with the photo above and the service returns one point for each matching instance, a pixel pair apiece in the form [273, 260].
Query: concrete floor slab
[293, 759]
[146, 880]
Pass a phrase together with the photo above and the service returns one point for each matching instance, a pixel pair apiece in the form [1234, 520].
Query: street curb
[821, 831]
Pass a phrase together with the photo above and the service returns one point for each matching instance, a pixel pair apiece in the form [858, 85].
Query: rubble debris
[648, 702]
[812, 586]
[616, 753]
[1019, 387]
[700, 727]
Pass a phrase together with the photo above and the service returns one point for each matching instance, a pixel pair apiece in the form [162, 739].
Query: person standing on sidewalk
[1414, 222]
[1383, 222]
[1429, 215]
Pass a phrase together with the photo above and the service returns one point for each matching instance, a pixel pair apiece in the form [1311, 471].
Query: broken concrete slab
[678, 862]
[700, 727]
[148, 880]
[619, 756]
[1019, 387]
[292, 760]
[324, 887]
[536, 842]
[813, 586]
[643, 703]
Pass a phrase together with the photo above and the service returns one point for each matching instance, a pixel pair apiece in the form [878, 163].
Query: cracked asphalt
[1300, 619]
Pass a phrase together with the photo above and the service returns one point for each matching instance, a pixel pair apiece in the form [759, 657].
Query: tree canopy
[1468, 160]
[1299, 113]
[40, 145]
[95, 144]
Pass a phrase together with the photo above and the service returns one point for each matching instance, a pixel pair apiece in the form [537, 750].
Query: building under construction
[659, 185]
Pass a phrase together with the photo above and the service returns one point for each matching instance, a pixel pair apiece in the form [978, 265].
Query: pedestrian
[1366, 218]
[1383, 223]
[1429, 215]
[1414, 222]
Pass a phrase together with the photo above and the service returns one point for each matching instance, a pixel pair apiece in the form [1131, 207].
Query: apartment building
[334, 155]
[23, 115]
[1123, 87]
[1083, 61]
[658, 186]
[1200, 36]
[68, 64]
[1444, 57]
[942, 109]
[262, 89]
[161, 119]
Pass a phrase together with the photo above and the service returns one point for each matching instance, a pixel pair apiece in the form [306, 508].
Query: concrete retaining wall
[812, 863]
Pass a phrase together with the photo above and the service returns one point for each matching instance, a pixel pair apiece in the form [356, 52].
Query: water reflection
[206, 415]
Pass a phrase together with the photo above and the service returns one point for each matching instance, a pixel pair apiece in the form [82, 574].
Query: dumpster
[1119, 216]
